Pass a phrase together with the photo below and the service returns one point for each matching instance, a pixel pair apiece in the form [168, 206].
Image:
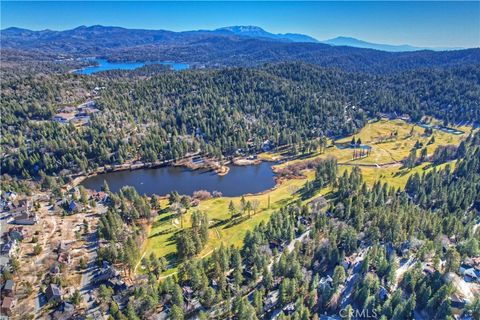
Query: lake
[104, 65]
[239, 180]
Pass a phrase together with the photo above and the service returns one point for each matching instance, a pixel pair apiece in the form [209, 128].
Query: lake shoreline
[215, 171]
[103, 64]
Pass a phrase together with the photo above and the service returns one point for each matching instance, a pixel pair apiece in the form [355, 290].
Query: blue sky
[452, 24]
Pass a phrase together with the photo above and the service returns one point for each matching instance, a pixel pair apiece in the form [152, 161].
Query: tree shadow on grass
[218, 223]
[235, 221]
[162, 220]
[172, 259]
[161, 233]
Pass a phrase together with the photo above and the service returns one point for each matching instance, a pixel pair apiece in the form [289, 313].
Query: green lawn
[222, 228]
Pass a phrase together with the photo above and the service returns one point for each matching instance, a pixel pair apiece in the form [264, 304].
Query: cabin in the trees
[271, 300]
[63, 117]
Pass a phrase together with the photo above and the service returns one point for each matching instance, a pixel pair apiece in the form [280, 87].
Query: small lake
[240, 180]
[104, 65]
[442, 128]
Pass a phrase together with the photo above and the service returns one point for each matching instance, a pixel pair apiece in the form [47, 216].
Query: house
[73, 207]
[325, 283]
[63, 253]
[266, 146]
[105, 274]
[7, 306]
[63, 246]
[25, 218]
[53, 293]
[117, 283]
[16, 233]
[472, 263]
[8, 248]
[470, 275]
[63, 117]
[271, 300]
[64, 258]
[101, 196]
[303, 220]
[276, 244]
[121, 300]
[64, 311]
[10, 195]
[8, 287]
[318, 203]
[289, 308]
[193, 305]
[197, 160]
[457, 302]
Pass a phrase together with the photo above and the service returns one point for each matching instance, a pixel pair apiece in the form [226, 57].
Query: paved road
[352, 279]
[91, 246]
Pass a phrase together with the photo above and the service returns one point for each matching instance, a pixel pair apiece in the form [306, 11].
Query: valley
[385, 164]
[223, 171]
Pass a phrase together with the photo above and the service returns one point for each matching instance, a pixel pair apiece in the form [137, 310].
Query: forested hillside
[164, 115]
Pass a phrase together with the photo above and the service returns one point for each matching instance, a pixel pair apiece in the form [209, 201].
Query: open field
[386, 146]
[222, 230]
[382, 164]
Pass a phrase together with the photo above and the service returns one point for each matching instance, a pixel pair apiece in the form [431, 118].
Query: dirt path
[389, 153]
[139, 261]
[54, 222]
[371, 165]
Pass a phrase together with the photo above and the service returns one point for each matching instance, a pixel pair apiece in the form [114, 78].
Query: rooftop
[9, 285]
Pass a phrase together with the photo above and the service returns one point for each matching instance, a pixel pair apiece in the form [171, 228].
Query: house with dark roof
[73, 207]
[457, 302]
[25, 218]
[53, 293]
[8, 248]
[8, 287]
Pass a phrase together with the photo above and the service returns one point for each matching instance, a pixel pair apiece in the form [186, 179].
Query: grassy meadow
[382, 164]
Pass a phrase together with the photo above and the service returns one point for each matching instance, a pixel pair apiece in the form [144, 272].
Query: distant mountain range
[240, 31]
[257, 32]
[353, 42]
[229, 46]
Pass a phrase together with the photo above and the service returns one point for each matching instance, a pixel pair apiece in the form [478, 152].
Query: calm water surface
[104, 65]
[240, 180]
